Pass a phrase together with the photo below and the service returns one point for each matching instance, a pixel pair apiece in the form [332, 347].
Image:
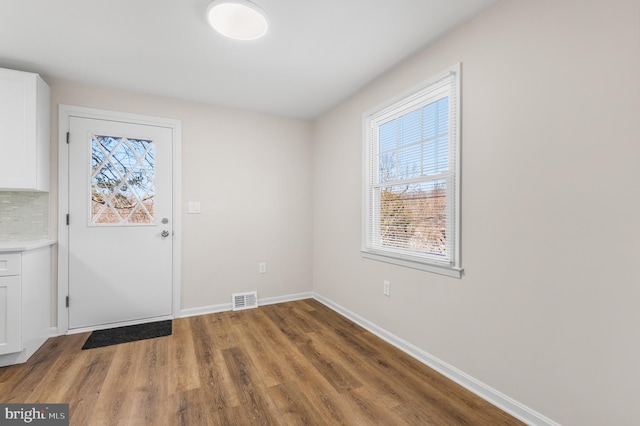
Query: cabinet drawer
[9, 264]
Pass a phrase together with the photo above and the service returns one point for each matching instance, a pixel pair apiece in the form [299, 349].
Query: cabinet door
[10, 315]
[17, 129]
[24, 131]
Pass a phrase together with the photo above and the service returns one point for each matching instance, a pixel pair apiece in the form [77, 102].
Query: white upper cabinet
[24, 131]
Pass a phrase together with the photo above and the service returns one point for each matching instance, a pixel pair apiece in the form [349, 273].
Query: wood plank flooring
[296, 363]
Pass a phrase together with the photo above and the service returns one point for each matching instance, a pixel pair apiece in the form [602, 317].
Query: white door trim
[64, 113]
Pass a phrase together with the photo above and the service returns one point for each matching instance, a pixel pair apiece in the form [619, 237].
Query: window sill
[448, 271]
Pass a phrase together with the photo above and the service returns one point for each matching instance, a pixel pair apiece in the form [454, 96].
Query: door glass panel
[122, 181]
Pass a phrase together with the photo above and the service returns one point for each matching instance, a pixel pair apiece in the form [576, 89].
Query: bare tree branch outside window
[122, 187]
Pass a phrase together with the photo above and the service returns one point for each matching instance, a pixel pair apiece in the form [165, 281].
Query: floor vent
[248, 300]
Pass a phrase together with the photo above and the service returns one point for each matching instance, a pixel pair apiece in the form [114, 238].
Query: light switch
[193, 207]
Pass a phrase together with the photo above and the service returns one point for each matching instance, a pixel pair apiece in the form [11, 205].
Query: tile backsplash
[24, 216]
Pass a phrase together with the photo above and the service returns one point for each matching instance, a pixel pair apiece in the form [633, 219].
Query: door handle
[165, 234]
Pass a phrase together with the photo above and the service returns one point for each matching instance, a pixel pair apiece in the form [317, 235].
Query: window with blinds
[411, 203]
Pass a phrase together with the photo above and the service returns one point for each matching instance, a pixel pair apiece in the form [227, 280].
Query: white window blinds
[412, 175]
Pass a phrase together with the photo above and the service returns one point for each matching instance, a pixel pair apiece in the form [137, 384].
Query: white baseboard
[495, 397]
[223, 307]
[204, 310]
[282, 299]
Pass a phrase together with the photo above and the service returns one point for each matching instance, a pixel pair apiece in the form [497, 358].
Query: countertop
[7, 246]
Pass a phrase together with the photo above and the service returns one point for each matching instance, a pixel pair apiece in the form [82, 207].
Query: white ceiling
[316, 53]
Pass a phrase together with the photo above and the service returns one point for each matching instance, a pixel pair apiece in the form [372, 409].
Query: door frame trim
[65, 112]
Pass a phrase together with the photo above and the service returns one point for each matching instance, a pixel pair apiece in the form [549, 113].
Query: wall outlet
[262, 268]
[386, 288]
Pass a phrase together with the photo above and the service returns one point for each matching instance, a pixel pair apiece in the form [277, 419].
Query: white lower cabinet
[10, 315]
[25, 303]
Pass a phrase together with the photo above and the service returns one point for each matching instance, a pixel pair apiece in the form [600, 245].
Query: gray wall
[251, 174]
[547, 310]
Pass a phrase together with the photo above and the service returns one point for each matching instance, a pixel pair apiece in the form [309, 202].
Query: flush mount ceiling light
[238, 19]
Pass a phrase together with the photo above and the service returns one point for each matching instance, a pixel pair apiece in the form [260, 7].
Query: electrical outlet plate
[386, 289]
[262, 268]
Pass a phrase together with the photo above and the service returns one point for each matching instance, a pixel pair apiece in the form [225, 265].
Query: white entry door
[120, 222]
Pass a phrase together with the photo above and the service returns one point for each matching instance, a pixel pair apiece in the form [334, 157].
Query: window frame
[398, 106]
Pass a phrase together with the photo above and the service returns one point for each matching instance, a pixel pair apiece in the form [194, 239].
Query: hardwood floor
[296, 363]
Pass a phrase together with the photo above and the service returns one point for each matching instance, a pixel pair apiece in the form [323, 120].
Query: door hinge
[68, 137]
[67, 301]
[67, 218]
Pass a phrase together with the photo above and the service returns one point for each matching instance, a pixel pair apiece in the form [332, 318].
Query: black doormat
[129, 333]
